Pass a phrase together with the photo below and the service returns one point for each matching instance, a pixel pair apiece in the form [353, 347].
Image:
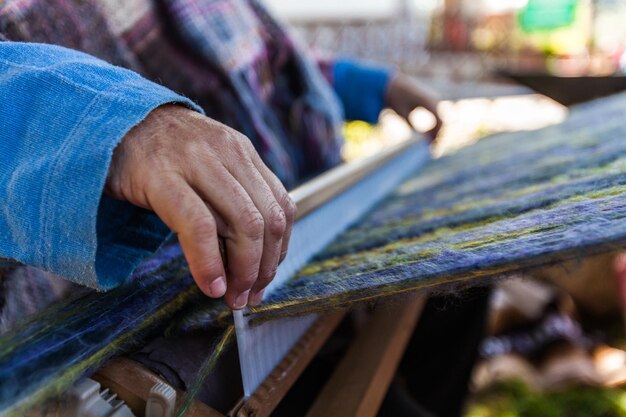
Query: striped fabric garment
[229, 56]
[36, 288]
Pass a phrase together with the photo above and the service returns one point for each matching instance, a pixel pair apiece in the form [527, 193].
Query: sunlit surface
[465, 122]
[468, 120]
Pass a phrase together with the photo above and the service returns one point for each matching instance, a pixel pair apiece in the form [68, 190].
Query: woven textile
[509, 203]
[46, 354]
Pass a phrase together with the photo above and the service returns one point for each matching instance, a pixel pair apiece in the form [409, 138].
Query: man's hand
[205, 181]
[405, 95]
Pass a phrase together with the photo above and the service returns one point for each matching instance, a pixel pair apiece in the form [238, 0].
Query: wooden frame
[265, 399]
[378, 349]
[322, 188]
[132, 382]
[356, 388]
[360, 382]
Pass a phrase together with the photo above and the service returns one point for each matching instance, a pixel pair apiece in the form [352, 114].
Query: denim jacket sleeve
[62, 113]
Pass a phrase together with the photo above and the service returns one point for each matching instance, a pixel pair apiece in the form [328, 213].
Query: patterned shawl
[230, 56]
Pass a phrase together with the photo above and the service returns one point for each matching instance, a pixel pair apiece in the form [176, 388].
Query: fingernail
[218, 287]
[242, 300]
[256, 298]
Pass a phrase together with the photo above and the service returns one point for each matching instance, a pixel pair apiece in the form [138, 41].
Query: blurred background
[556, 344]
[469, 50]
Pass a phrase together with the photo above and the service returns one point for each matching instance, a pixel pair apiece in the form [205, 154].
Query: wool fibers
[511, 202]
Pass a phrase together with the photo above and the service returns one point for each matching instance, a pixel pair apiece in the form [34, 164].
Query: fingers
[206, 182]
[256, 225]
[283, 198]
[423, 100]
[244, 233]
[425, 121]
[186, 214]
[431, 104]
[275, 207]
[274, 222]
[405, 95]
[242, 206]
[432, 133]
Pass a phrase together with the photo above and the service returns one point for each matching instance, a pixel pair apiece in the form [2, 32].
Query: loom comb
[327, 206]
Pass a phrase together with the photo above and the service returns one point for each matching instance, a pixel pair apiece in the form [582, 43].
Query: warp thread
[47, 354]
[205, 370]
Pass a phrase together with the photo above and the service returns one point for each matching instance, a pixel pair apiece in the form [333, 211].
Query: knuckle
[242, 140]
[239, 143]
[203, 227]
[265, 279]
[192, 147]
[252, 224]
[247, 280]
[237, 148]
[235, 155]
[209, 268]
[197, 149]
[276, 222]
[289, 207]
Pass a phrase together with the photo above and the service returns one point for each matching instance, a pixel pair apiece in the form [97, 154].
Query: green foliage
[547, 14]
[514, 399]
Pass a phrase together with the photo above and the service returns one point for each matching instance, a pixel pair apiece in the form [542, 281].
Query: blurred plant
[515, 399]
[547, 14]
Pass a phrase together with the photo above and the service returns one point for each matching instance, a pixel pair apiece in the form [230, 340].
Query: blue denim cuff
[62, 114]
[361, 89]
[125, 234]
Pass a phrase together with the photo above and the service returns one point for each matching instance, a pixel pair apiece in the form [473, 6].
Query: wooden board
[324, 187]
[358, 385]
[356, 388]
[132, 383]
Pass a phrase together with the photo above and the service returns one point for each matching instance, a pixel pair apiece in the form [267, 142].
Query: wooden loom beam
[360, 382]
[312, 194]
[265, 399]
[132, 382]
[356, 388]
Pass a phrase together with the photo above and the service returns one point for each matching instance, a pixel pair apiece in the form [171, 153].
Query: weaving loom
[509, 203]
